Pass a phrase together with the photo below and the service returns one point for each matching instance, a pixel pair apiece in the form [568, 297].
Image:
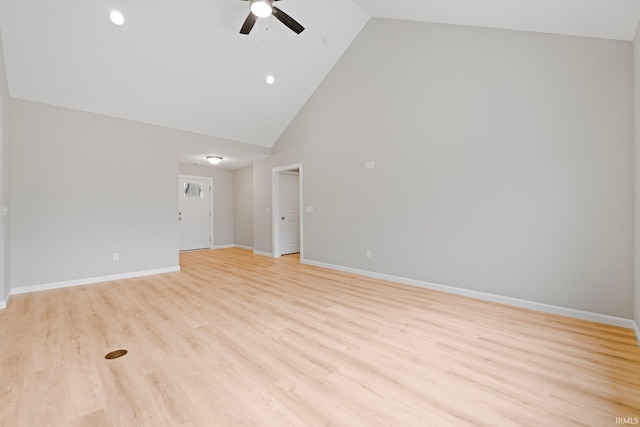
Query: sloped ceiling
[608, 19]
[184, 65]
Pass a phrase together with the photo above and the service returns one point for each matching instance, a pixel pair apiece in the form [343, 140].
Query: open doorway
[287, 236]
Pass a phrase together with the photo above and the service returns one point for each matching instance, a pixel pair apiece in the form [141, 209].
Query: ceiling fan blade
[248, 24]
[287, 20]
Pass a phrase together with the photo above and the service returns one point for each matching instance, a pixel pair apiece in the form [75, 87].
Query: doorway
[287, 236]
[195, 204]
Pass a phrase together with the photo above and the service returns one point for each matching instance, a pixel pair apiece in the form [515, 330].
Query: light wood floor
[236, 339]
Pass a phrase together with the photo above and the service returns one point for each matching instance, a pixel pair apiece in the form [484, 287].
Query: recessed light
[270, 79]
[116, 17]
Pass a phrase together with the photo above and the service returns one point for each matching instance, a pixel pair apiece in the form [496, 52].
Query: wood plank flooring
[236, 339]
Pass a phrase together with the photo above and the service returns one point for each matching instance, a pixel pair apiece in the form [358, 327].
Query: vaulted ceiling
[184, 65]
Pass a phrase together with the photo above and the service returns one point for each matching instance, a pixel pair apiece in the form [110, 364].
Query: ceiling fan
[264, 8]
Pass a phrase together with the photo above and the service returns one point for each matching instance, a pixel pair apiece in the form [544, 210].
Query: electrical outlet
[367, 253]
[116, 256]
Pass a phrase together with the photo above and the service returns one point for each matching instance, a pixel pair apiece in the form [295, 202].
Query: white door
[289, 212]
[194, 214]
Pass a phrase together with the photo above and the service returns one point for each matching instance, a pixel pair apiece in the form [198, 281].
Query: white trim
[275, 211]
[210, 179]
[269, 254]
[275, 207]
[90, 280]
[249, 248]
[636, 329]
[579, 314]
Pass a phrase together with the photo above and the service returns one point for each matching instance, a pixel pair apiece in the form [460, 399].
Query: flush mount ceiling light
[214, 160]
[116, 17]
[261, 8]
[270, 79]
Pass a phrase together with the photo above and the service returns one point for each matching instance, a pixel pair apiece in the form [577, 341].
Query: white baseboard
[90, 280]
[580, 314]
[249, 248]
[269, 254]
[636, 329]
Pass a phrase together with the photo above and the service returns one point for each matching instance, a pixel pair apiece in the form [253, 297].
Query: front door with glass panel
[194, 213]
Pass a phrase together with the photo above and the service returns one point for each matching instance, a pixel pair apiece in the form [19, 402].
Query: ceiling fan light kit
[261, 8]
[264, 8]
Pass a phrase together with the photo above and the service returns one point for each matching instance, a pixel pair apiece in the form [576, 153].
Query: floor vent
[115, 354]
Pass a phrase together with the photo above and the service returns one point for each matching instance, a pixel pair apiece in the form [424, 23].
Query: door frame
[275, 208]
[210, 180]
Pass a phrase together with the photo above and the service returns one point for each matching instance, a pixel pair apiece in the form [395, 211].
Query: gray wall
[4, 180]
[636, 73]
[243, 206]
[84, 186]
[504, 163]
[223, 189]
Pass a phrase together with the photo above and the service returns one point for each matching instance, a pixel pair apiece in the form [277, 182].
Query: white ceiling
[608, 19]
[183, 64]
